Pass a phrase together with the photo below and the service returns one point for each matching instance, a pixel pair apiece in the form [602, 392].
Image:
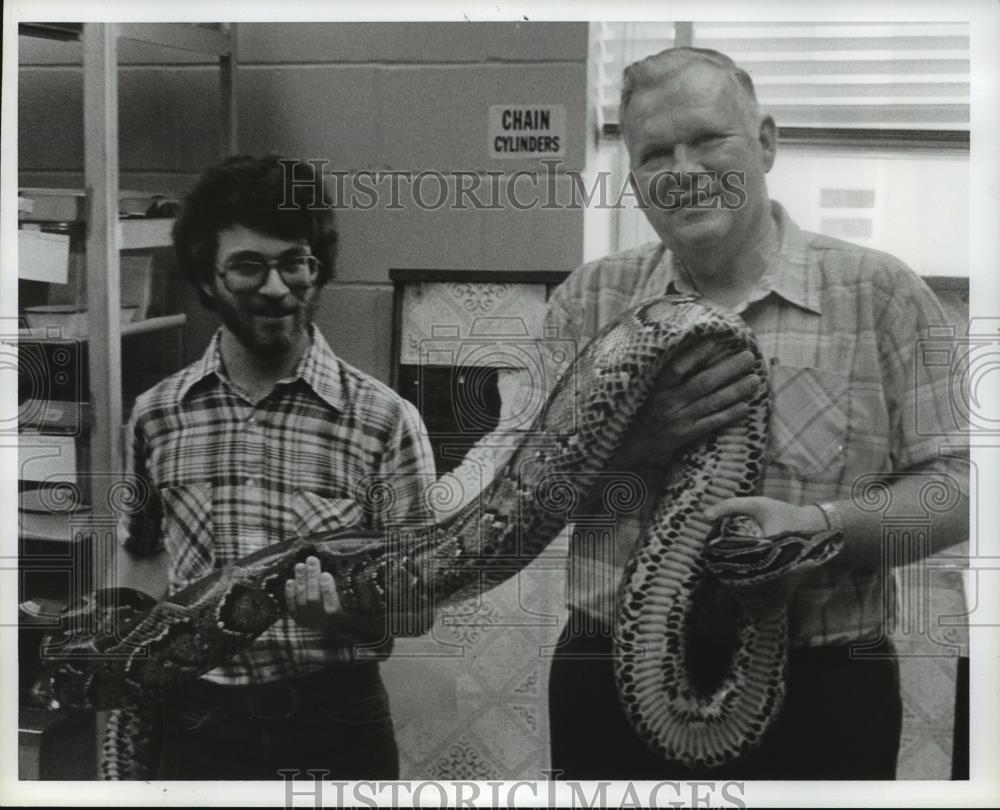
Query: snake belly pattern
[121, 653]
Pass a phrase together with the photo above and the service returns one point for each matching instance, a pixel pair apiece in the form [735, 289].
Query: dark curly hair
[277, 196]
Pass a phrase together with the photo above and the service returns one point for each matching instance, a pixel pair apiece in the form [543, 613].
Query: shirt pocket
[810, 411]
[314, 513]
[188, 531]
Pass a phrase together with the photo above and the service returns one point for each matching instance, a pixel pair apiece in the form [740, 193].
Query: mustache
[274, 311]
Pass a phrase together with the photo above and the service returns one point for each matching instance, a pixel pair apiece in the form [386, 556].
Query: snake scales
[121, 651]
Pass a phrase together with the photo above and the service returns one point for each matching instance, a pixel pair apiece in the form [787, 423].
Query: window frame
[878, 139]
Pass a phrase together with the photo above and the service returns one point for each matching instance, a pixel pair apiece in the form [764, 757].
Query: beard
[269, 329]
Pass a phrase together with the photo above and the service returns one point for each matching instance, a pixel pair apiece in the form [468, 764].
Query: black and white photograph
[615, 429]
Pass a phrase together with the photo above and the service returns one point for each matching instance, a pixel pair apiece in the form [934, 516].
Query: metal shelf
[212, 39]
[42, 334]
[138, 233]
[217, 41]
[55, 527]
[156, 324]
[107, 235]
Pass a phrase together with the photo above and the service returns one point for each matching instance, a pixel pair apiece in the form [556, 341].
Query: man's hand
[774, 517]
[311, 598]
[702, 395]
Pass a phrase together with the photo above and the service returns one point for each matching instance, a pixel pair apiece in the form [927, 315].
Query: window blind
[829, 75]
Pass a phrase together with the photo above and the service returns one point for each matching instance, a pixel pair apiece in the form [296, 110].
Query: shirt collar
[791, 275]
[796, 279]
[319, 368]
[209, 364]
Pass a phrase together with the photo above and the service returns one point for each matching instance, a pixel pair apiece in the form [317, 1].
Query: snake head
[64, 686]
[73, 655]
[739, 552]
[763, 571]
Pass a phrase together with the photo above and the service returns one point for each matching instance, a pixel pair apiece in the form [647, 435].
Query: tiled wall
[362, 96]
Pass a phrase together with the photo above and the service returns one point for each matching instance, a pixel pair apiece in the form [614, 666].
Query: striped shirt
[839, 325]
[328, 447]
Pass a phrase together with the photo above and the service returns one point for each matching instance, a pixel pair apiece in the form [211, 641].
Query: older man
[839, 325]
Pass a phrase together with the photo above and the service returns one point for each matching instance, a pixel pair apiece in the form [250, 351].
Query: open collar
[791, 276]
[319, 368]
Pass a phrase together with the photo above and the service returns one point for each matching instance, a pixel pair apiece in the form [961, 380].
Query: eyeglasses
[249, 273]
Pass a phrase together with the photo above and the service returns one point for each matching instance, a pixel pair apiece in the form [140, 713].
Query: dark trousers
[336, 720]
[841, 719]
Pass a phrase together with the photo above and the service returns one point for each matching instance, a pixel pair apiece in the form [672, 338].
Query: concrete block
[400, 42]
[437, 117]
[357, 323]
[548, 235]
[326, 113]
[372, 241]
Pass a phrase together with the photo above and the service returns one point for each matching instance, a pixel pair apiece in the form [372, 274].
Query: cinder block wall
[361, 96]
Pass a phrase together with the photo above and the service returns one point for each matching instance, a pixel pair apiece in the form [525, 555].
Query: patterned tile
[924, 758]
[540, 596]
[468, 623]
[442, 322]
[531, 684]
[931, 609]
[928, 687]
[497, 717]
[927, 671]
[505, 658]
[508, 745]
[463, 759]
[484, 715]
[530, 716]
[420, 739]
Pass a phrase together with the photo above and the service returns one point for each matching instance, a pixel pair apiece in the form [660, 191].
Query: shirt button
[252, 483]
[252, 420]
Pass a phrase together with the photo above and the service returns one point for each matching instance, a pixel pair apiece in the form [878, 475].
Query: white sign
[526, 131]
[42, 256]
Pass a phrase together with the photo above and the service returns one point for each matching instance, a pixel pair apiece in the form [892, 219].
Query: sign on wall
[526, 131]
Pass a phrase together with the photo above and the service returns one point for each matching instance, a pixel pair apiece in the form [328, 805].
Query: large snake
[121, 650]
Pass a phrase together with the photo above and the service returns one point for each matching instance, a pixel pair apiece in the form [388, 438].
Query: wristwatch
[830, 510]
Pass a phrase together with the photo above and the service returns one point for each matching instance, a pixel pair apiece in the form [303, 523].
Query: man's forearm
[932, 498]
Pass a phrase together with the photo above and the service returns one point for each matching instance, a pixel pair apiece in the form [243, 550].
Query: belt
[283, 699]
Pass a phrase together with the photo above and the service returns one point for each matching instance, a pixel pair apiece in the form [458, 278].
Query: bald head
[669, 65]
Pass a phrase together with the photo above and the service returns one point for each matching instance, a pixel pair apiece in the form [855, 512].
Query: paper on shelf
[42, 256]
[42, 457]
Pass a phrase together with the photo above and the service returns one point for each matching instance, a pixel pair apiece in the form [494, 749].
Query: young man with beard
[269, 435]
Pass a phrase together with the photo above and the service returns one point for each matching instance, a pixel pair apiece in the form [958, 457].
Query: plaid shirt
[228, 477]
[839, 325]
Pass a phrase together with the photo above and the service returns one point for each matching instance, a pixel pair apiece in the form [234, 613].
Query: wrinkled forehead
[689, 86]
[703, 79]
[699, 78]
